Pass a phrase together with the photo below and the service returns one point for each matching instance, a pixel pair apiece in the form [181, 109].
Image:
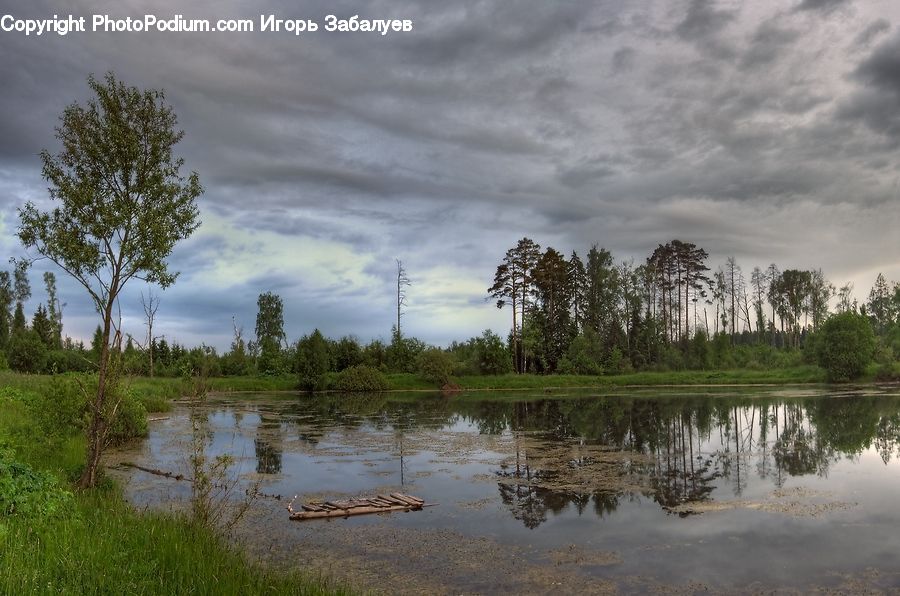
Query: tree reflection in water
[593, 453]
[698, 446]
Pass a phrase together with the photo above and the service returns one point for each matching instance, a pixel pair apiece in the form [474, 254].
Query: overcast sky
[764, 130]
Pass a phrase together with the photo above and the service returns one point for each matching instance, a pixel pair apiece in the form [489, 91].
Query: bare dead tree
[151, 305]
[402, 282]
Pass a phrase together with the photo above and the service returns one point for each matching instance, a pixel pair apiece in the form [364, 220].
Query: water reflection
[593, 453]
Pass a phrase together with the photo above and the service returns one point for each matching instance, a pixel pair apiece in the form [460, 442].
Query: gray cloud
[744, 128]
[823, 5]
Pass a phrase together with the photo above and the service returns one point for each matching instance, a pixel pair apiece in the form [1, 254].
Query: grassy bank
[56, 540]
[786, 376]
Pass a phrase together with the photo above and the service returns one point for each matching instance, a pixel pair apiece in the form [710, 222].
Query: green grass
[103, 547]
[100, 545]
[793, 375]
[229, 384]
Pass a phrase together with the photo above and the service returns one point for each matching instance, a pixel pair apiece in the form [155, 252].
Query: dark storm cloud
[623, 59]
[823, 5]
[868, 34]
[881, 70]
[768, 44]
[876, 103]
[703, 20]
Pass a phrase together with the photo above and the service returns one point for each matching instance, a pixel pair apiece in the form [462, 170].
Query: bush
[313, 361]
[584, 355]
[361, 378]
[26, 352]
[62, 409]
[28, 493]
[130, 420]
[61, 361]
[435, 365]
[845, 346]
[491, 354]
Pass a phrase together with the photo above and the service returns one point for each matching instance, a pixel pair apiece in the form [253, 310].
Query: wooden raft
[356, 506]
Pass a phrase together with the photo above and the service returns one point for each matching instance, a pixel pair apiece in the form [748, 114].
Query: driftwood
[128, 464]
[174, 476]
[356, 506]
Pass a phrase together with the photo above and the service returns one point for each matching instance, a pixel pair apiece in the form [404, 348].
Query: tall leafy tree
[552, 288]
[313, 360]
[269, 331]
[513, 284]
[879, 307]
[601, 290]
[506, 292]
[577, 287]
[6, 302]
[21, 293]
[758, 282]
[43, 327]
[122, 206]
[54, 309]
[819, 293]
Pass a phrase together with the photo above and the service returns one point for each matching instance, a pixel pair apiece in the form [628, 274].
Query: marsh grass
[793, 375]
[98, 544]
[103, 547]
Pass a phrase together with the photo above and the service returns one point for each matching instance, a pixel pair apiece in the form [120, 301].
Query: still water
[740, 490]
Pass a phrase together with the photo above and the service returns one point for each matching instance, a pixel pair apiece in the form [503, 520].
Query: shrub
[26, 352]
[28, 493]
[361, 378]
[845, 346]
[60, 361]
[491, 354]
[313, 361]
[584, 355]
[130, 420]
[63, 409]
[435, 365]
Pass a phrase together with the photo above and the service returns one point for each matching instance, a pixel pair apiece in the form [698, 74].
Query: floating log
[163, 473]
[356, 506]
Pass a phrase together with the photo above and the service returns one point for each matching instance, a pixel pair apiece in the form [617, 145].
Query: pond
[683, 490]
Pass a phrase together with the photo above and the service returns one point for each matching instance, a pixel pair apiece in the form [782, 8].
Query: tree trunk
[99, 424]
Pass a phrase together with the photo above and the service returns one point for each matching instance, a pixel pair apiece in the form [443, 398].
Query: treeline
[672, 311]
[569, 315]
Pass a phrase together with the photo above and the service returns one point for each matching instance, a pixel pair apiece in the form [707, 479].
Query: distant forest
[574, 315]
[594, 314]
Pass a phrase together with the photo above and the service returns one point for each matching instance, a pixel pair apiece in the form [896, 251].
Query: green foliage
[492, 356]
[130, 420]
[28, 493]
[375, 355]
[345, 353]
[121, 206]
[114, 550]
[62, 409]
[845, 346]
[584, 355]
[361, 378]
[270, 333]
[403, 353]
[26, 352]
[61, 361]
[436, 366]
[313, 361]
[699, 352]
